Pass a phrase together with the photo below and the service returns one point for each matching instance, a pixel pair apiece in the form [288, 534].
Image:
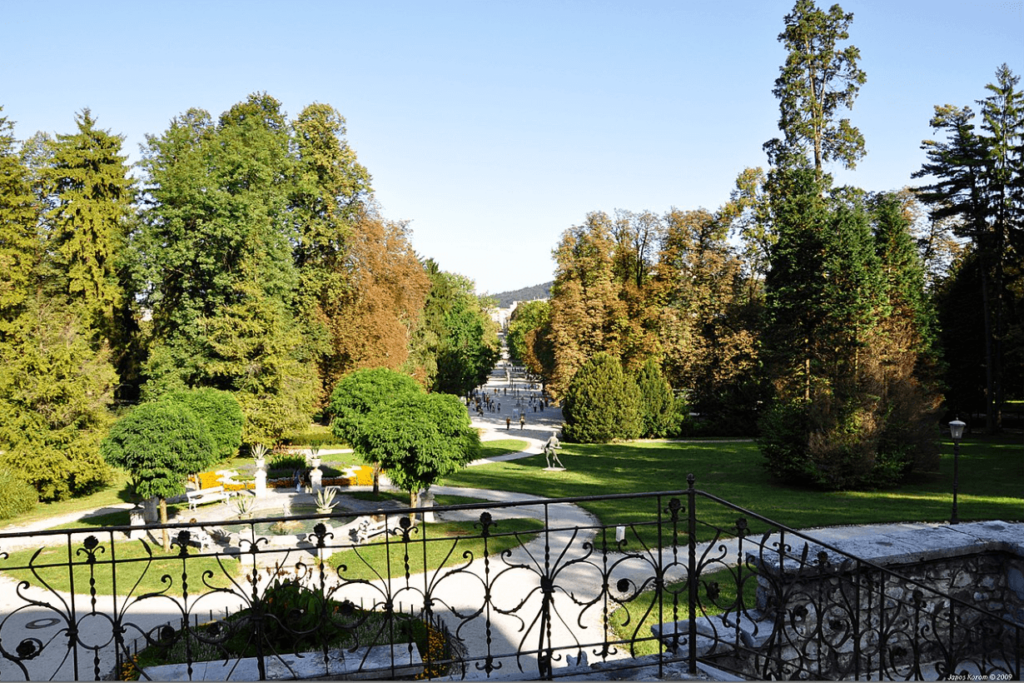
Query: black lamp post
[956, 430]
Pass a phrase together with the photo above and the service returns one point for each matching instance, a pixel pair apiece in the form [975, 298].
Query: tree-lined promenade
[246, 254]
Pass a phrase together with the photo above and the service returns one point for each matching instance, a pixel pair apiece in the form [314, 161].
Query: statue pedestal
[315, 479]
[137, 517]
[426, 500]
[261, 483]
[150, 511]
[554, 469]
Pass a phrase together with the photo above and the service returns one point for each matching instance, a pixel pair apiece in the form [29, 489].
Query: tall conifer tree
[20, 248]
[91, 202]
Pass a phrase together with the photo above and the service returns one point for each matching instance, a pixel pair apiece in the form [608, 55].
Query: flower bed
[359, 475]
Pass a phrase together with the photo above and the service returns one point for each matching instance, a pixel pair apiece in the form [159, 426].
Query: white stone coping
[897, 543]
[362, 663]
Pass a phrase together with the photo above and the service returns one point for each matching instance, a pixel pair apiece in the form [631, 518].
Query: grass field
[991, 484]
[449, 541]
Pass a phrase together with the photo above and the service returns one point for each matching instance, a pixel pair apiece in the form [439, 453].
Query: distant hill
[505, 299]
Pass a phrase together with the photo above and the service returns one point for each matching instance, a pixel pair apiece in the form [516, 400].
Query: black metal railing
[720, 584]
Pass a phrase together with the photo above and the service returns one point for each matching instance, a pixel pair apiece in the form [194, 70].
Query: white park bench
[210, 495]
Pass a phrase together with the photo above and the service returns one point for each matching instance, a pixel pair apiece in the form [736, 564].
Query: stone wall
[941, 599]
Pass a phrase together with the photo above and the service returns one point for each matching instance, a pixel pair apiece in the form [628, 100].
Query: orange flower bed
[364, 477]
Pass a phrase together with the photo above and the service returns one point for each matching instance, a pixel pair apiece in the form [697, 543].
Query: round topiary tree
[602, 403]
[357, 395]
[159, 444]
[219, 411]
[360, 392]
[419, 439]
[657, 403]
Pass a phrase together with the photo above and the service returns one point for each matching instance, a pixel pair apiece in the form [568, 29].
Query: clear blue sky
[494, 126]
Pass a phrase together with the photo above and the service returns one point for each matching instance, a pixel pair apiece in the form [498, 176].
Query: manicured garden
[991, 484]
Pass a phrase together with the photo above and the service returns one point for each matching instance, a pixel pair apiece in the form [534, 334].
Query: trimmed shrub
[160, 444]
[419, 439]
[16, 495]
[602, 403]
[360, 392]
[219, 411]
[657, 404]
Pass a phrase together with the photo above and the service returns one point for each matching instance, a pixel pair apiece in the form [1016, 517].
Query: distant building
[503, 315]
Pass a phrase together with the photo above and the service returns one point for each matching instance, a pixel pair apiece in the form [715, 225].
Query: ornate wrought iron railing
[720, 584]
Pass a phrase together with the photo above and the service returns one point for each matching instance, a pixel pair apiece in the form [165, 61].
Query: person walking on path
[522, 420]
[508, 423]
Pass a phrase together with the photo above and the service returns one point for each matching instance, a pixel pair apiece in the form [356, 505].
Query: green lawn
[132, 566]
[492, 449]
[447, 548]
[116, 492]
[991, 484]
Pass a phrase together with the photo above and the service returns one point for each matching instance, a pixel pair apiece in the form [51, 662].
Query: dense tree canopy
[456, 343]
[978, 184]
[220, 414]
[55, 393]
[361, 392]
[251, 258]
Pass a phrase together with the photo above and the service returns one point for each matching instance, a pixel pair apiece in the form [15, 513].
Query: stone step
[753, 631]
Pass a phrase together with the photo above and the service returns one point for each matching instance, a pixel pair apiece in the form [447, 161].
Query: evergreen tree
[217, 243]
[818, 80]
[602, 403]
[55, 389]
[254, 353]
[657, 403]
[90, 194]
[20, 248]
[903, 362]
[978, 181]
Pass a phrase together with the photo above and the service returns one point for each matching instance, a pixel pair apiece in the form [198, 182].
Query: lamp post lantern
[956, 430]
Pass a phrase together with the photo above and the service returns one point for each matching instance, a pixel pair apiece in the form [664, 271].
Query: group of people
[526, 398]
[481, 400]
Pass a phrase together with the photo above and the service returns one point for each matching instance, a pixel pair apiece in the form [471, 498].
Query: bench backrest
[203, 492]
